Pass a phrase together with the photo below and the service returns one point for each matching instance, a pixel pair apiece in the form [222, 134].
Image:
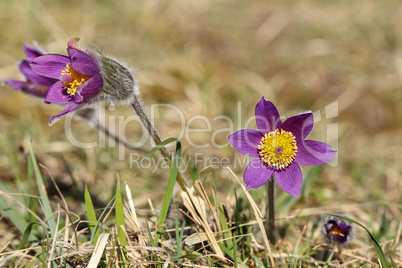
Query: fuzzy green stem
[270, 224]
[156, 138]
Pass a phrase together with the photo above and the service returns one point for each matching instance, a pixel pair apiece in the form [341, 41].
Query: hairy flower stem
[102, 129]
[155, 136]
[88, 115]
[270, 224]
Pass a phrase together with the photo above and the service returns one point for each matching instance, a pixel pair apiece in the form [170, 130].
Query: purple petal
[290, 179]
[72, 43]
[32, 52]
[15, 84]
[31, 89]
[267, 116]
[300, 125]
[256, 174]
[50, 65]
[344, 226]
[35, 90]
[72, 107]
[89, 89]
[339, 238]
[83, 63]
[313, 153]
[246, 141]
[33, 77]
[57, 94]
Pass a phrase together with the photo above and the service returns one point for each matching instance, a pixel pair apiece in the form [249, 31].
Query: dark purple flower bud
[35, 84]
[337, 231]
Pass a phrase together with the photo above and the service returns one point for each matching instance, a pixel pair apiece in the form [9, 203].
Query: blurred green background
[204, 57]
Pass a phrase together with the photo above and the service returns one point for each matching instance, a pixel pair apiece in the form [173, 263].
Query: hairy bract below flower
[279, 148]
[35, 84]
[337, 231]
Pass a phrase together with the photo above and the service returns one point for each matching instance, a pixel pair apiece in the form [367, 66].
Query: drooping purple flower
[337, 231]
[35, 84]
[279, 148]
[78, 77]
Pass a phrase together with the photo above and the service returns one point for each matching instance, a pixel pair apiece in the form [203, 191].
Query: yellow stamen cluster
[278, 149]
[337, 230]
[75, 79]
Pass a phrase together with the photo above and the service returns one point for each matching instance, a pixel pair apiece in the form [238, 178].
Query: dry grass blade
[132, 207]
[195, 238]
[258, 217]
[98, 251]
[131, 217]
[196, 207]
[214, 210]
[166, 263]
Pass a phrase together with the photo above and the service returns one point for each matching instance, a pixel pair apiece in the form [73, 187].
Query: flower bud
[337, 231]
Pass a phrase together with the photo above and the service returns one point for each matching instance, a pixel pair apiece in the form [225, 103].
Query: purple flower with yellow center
[337, 231]
[279, 148]
[78, 77]
[35, 84]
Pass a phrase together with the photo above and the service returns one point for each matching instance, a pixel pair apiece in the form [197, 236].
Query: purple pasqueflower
[337, 231]
[279, 148]
[78, 77]
[35, 84]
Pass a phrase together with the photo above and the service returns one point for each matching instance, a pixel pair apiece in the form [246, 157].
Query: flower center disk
[72, 79]
[278, 149]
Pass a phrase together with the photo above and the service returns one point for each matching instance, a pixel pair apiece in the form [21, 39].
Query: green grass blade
[42, 253]
[47, 209]
[179, 237]
[192, 257]
[5, 188]
[121, 226]
[230, 253]
[31, 203]
[151, 239]
[13, 215]
[225, 228]
[234, 252]
[329, 260]
[258, 261]
[102, 215]
[296, 247]
[99, 222]
[28, 234]
[120, 219]
[377, 246]
[91, 214]
[174, 170]
[160, 145]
